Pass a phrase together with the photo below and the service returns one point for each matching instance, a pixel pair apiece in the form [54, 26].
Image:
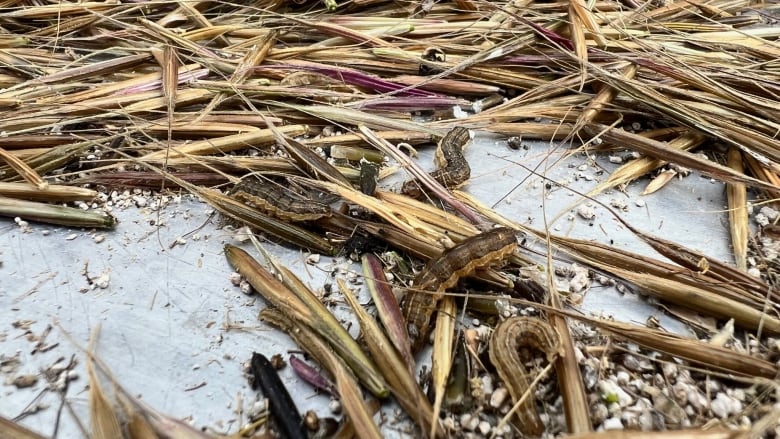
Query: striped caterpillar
[445, 271]
[278, 200]
[453, 169]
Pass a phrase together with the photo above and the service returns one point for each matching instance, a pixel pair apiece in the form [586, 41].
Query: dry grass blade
[570, 379]
[314, 165]
[700, 80]
[349, 116]
[23, 169]
[444, 340]
[224, 144]
[605, 96]
[703, 116]
[718, 276]
[350, 35]
[703, 354]
[702, 300]
[397, 217]
[387, 307]
[401, 240]
[355, 154]
[448, 86]
[184, 43]
[170, 79]
[400, 379]
[253, 57]
[144, 422]
[642, 272]
[138, 427]
[763, 173]
[738, 218]
[577, 31]
[53, 193]
[489, 213]
[105, 423]
[268, 286]
[659, 181]
[12, 430]
[136, 84]
[658, 150]
[637, 168]
[304, 307]
[350, 139]
[97, 68]
[455, 226]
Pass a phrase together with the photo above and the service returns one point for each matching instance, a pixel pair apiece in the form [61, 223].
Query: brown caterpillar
[508, 338]
[279, 201]
[444, 272]
[453, 169]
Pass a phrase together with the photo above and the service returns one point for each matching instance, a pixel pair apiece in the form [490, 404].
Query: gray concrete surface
[175, 331]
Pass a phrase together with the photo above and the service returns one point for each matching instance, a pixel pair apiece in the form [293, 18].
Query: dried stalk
[738, 218]
[304, 307]
[398, 376]
[655, 280]
[388, 310]
[23, 170]
[50, 214]
[53, 193]
[443, 343]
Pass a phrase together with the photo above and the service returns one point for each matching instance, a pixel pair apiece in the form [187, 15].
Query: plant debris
[286, 117]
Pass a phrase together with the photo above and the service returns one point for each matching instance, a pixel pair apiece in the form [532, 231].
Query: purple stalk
[410, 103]
[312, 376]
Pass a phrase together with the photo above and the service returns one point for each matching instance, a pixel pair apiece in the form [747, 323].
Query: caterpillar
[444, 272]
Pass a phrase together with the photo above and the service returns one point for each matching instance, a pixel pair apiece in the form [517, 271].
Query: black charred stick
[281, 404]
